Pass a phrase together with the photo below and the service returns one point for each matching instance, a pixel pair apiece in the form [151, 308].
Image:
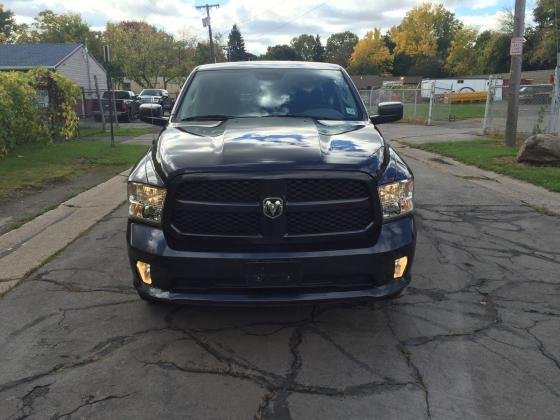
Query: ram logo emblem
[273, 207]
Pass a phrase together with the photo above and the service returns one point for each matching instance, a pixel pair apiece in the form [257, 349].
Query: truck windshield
[238, 93]
[150, 92]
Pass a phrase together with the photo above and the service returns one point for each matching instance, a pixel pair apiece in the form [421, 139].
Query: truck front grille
[228, 212]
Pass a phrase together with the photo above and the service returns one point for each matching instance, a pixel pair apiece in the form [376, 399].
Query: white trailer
[442, 86]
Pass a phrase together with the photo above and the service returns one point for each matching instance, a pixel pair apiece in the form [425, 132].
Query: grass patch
[96, 132]
[35, 165]
[493, 155]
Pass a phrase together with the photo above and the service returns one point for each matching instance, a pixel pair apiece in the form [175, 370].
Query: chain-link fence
[429, 104]
[535, 109]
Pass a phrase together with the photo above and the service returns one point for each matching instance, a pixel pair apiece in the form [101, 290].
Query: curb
[531, 195]
[26, 248]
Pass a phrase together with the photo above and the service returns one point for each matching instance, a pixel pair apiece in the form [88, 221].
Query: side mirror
[388, 112]
[152, 114]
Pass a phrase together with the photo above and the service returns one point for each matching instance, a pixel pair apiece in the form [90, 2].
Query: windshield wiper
[207, 117]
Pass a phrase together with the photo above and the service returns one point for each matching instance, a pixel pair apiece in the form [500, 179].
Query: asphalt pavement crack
[275, 405]
[29, 398]
[419, 379]
[90, 401]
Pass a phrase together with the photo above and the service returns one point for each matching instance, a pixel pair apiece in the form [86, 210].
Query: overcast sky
[262, 22]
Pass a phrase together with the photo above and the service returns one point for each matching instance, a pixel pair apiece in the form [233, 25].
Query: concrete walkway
[24, 249]
[417, 134]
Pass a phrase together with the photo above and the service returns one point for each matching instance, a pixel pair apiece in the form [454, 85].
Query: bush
[22, 120]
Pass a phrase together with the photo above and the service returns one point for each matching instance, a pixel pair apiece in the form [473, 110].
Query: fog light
[144, 272]
[400, 266]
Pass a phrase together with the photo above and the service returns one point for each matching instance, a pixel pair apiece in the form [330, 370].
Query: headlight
[396, 198]
[145, 202]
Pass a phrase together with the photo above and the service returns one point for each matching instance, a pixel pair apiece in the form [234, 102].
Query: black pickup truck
[126, 106]
[270, 184]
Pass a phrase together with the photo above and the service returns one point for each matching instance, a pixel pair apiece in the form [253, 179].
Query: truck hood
[268, 143]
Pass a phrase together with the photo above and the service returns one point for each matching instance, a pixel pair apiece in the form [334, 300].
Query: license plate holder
[272, 274]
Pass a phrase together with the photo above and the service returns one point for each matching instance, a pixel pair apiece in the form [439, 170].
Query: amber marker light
[400, 266]
[144, 272]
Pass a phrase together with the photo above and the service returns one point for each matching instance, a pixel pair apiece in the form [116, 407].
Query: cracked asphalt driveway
[475, 336]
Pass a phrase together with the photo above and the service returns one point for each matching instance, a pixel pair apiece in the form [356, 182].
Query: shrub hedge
[23, 120]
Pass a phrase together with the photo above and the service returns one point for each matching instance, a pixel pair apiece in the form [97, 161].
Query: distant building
[72, 60]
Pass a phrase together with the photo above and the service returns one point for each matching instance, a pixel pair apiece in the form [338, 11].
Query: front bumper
[230, 278]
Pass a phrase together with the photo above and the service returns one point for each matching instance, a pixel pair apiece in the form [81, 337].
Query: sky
[263, 22]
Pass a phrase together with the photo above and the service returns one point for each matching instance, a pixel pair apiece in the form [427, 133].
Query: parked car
[156, 96]
[269, 183]
[535, 94]
[126, 106]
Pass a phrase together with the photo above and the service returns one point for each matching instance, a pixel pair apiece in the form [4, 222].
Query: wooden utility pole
[516, 53]
[205, 23]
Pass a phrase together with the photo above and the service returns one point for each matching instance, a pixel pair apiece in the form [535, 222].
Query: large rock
[540, 148]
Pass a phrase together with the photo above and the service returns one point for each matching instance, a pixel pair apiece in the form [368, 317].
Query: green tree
[236, 45]
[542, 38]
[7, 24]
[202, 53]
[50, 27]
[281, 52]
[492, 51]
[340, 47]
[143, 53]
[462, 53]
[318, 50]
[304, 45]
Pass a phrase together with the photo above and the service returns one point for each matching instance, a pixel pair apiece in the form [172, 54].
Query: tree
[340, 47]
[542, 38]
[202, 52]
[7, 24]
[304, 46]
[281, 52]
[318, 50]
[50, 27]
[492, 51]
[140, 50]
[371, 55]
[425, 31]
[236, 45]
[427, 67]
[462, 53]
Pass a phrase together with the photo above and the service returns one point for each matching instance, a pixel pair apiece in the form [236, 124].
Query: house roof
[26, 56]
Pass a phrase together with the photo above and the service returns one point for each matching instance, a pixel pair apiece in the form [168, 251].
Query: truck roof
[270, 65]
